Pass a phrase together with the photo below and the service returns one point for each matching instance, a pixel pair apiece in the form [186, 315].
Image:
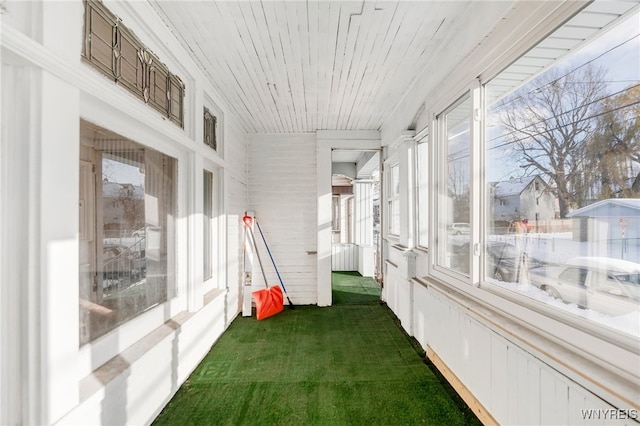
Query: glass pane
[423, 194]
[563, 182]
[207, 227]
[394, 223]
[126, 247]
[453, 250]
[395, 180]
[394, 203]
[335, 213]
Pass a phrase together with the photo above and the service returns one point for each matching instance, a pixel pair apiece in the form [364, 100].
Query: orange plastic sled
[269, 301]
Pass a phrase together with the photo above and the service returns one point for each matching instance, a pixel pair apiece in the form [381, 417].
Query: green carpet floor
[349, 364]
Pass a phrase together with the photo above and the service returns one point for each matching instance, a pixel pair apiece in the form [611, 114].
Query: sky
[116, 171]
[623, 62]
[617, 51]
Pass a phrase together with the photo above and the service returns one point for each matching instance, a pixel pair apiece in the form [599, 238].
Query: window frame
[208, 208]
[595, 330]
[95, 353]
[422, 191]
[392, 198]
[170, 228]
[210, 107]
[210, 123]
[573, 332]
[439, 176]
[335, 213]
[218, 238]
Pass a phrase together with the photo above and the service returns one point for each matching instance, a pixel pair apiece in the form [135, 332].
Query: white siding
[344, 257]
[504, 376]
[397, 291]
[282, 194]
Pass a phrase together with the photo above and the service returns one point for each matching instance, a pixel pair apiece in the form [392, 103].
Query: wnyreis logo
[609, 414]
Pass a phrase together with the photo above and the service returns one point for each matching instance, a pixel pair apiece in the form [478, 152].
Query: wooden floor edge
[485, 417]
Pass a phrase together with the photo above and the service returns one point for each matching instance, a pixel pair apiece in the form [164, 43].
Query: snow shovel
[269, 301]
[274, 264]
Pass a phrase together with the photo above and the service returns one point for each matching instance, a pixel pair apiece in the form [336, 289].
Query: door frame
[327, 140]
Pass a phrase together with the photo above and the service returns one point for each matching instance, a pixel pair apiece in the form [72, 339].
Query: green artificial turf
[348, 364]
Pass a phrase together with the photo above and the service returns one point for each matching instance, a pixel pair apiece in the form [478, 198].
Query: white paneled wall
[363, 194]
[344, 257]
[282, 180]
[510, 382]
[397, 291]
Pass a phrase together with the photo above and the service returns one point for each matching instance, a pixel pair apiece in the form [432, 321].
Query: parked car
[610, 286]
[504, 261]
[458, 228]
[142, 232]
[139, 233]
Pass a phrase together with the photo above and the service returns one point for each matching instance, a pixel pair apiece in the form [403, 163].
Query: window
[127, 221]
[422, 175]
[132, 69]
[335, 213]
[207, 228]
[394, 200]
[210, 122]
[454, 209]
[572, 127]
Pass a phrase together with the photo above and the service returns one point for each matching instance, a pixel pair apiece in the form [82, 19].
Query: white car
[610, 286]
[142, 232]
[458, 228]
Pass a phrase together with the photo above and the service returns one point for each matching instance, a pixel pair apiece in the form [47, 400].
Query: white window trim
[438, 199]
[609, 350]
[97, 352]
[421, 139]
[219, 114]
[216, 281]
[390, 197]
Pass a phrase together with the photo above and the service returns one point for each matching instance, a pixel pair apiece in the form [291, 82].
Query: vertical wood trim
[15, 222]
[324, 224]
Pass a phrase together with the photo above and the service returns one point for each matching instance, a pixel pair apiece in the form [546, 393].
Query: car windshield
[631, 283]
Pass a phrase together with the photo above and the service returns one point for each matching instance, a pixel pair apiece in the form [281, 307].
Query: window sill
[392, 239]
[421, 250]
[117, 365]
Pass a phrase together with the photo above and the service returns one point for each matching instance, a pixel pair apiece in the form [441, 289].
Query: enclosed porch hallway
[350, 363]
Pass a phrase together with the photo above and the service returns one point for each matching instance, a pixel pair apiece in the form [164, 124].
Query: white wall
[282, 194]
[129, 374]
[512, 378]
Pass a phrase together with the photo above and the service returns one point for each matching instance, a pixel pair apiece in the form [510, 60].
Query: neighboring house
[123, 203]
[612, 226]
[523, 198]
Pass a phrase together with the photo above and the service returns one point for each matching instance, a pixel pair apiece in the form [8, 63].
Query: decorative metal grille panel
[115, 51]
[210, 122]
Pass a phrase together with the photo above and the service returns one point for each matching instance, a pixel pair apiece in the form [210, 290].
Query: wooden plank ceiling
[302, 66]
